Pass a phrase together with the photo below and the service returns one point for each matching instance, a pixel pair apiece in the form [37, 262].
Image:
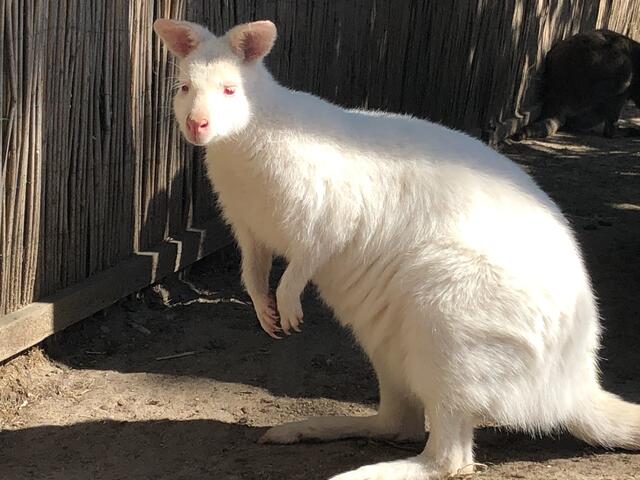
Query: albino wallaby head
[215, 75]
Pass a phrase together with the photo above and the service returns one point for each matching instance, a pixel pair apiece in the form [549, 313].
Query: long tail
[608, 421]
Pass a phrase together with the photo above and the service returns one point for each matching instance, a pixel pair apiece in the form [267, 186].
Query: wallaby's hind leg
[449, 451]
[611, 111]
[635, 130]
[400, 417]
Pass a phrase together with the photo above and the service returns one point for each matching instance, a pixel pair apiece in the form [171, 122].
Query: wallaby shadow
[209, 314]
[164, 449]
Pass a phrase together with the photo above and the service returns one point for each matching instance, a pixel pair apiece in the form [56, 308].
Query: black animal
[587, 80]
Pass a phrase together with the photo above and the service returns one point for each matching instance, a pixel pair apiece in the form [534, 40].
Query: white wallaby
[459, 277]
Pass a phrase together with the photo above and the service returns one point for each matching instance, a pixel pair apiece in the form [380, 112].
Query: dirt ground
[110, 398]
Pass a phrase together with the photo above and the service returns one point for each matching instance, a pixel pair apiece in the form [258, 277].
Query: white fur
[458, 276]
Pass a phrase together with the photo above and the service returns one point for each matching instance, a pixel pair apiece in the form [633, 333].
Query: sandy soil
[98, 401]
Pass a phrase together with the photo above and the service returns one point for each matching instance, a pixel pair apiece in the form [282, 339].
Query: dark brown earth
[98, 402]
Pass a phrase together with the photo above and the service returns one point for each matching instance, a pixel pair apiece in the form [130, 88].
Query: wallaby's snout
[198, 126]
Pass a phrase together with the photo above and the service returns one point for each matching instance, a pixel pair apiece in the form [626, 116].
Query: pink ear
[180, 37]
[252, 41]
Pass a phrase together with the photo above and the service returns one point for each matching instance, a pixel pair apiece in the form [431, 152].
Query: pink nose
[197, 125]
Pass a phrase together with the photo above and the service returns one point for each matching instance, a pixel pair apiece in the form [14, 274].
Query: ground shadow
[208, 313]
[170, 449]
[211, 449]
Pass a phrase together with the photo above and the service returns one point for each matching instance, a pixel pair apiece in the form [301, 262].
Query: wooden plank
[33, 323]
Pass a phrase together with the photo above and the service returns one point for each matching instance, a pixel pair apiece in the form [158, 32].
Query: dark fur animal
[588, 78]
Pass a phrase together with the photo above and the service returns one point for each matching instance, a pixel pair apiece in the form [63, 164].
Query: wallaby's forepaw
[290, 311]
[267, 314]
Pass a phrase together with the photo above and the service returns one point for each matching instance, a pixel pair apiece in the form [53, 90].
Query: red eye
[229, 90]
[184, 88]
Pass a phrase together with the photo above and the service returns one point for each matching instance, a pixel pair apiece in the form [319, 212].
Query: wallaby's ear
[252, 41]
[180, 37]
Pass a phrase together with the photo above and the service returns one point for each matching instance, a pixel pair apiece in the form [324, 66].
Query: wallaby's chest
[247, 199]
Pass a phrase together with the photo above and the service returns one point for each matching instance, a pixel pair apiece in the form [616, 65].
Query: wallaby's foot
[628, 132]
[541, 129]
[614, 131]
[529, 133]
[610, 129]
[519, 136]
[416, 468]
[449, 451]
[334, 428]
